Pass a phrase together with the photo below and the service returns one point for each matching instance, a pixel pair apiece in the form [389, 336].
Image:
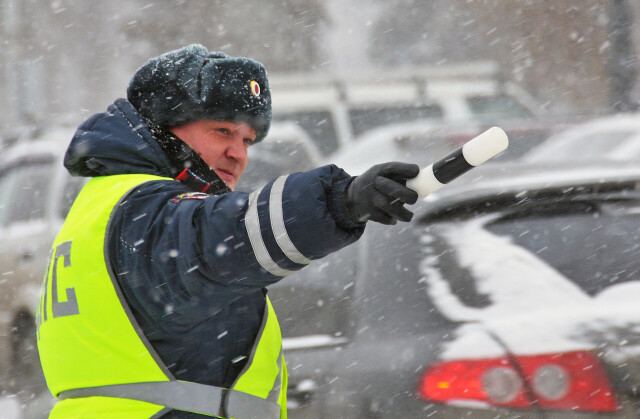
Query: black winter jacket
[184, 261]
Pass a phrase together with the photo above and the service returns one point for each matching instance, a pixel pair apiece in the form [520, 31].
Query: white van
[335, 111]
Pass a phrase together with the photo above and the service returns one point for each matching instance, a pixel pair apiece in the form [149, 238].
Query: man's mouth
[226, 175]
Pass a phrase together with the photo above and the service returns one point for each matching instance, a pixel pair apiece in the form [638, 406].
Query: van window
[500, 106]
[276, 157]
[364, 119]
[319, 125]
[24, 192]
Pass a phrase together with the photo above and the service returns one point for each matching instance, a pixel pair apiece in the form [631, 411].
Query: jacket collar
[119, 141]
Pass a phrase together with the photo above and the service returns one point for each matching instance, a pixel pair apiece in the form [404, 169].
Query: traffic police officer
[154, 303]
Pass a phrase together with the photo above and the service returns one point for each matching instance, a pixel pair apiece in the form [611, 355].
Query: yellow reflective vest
[96, 359]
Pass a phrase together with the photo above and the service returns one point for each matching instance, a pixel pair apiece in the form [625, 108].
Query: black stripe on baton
[451, 166]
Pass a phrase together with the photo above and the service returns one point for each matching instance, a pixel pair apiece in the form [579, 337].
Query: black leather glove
[379, 194]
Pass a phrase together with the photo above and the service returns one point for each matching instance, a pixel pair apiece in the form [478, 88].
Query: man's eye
[248, 141]
[224, 131]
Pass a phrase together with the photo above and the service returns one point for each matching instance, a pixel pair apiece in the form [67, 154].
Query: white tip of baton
[425, 183]
[484, 146]
[475, 152]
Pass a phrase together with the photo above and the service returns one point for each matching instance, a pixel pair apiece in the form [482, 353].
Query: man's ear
[182, 132]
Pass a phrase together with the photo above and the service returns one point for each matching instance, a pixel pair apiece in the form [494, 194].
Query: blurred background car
[614, 137]
[513, 293]
[413, 142]
[288, 149]
[36, 194]
[422, 142]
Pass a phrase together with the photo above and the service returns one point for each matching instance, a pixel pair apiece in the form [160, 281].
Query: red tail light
[566, 381]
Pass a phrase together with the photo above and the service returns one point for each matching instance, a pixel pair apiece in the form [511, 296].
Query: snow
[10, 408]
[534, 309]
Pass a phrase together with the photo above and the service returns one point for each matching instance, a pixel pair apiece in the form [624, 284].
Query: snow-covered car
[615, 138]
[513, 293]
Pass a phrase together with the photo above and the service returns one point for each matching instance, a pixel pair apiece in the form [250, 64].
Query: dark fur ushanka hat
[191, 83]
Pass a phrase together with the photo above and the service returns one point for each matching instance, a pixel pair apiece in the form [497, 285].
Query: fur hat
[192, 83]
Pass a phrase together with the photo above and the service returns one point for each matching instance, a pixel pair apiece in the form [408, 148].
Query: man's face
[221, 144]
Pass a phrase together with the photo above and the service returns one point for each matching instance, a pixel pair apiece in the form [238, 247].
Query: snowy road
[10, 408]
[37, 409]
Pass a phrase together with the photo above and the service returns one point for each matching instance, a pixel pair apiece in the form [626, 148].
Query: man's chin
[228, 179]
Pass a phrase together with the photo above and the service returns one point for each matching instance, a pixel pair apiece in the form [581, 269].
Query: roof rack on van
[419, 73]
[413, 85]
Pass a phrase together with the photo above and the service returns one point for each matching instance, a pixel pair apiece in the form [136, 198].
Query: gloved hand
[379, 194]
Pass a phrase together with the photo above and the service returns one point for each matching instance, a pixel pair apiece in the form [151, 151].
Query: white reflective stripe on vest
[187, 396]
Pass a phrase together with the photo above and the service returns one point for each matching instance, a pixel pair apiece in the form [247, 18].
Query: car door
[24, 214]
[25, 238]
[313, 309]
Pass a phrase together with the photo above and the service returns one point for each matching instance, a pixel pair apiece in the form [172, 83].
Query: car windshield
[421, 149]
[568, 271]
[319, 125]
[589, 246]
[594, 247]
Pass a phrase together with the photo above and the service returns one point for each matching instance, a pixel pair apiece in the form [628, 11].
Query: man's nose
[237, 150]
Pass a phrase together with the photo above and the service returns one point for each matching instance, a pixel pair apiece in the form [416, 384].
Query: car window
[319, 125]
[24, 191]
[523, 260]
[364, 119]
[393, 282]
[316, 300]
[589, 145]
[72, 188]
[501, 106]
[275, 158]
[591, 245]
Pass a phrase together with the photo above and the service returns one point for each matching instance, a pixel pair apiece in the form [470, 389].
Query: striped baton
[471, 154]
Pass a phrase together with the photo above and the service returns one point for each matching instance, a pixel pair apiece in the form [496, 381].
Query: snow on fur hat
[191, 83]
